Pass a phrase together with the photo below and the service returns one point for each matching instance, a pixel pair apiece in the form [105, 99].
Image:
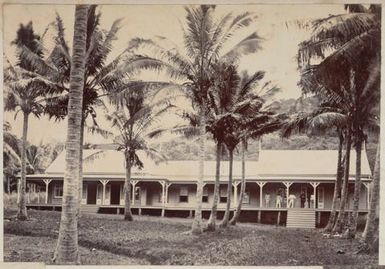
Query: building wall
[51, 197]
[150, 194]
[174, 191]
[252, 189]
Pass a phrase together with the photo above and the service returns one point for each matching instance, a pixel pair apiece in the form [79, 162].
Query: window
[223, 196]
[205, 197]
[58, 191]
[183, 195]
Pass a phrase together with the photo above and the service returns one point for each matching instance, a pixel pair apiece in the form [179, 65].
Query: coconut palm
[221, 99]
[204, 39]
[258, 117]
[102, 77]
[350, 109]
[348, 72]
[237, 108]
[25, 91]
[11, 156]
[67, 250]
[231, 93]
[137, 121]
[320, 120]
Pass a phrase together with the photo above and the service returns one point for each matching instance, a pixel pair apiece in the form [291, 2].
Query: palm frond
[187, 130]
[95, 129]
[38, 64]
[94, 156]
[248, 45]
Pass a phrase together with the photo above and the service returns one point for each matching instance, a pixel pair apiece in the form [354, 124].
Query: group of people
[290, 200]
[278, 199]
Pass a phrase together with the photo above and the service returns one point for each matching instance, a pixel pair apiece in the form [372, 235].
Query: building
[169, 188]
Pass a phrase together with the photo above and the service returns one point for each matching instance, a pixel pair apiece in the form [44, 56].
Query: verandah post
[314, 184]
[104, 183]
[287, 184]
[235, 186]
[163, 184]
[46, 181]
[261, 184]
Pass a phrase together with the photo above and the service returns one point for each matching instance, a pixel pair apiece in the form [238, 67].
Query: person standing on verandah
[278, 201]
[291, 201]
[267, 200]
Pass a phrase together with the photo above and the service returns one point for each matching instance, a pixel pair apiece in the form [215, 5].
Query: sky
[274, 23]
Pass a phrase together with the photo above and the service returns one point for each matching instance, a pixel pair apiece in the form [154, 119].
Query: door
[91, 194]
[321, 197]
[115, 194]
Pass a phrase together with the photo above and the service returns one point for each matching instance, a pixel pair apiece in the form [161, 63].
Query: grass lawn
[107, 239]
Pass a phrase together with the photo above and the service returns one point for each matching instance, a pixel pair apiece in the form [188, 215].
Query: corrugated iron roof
[272, 164]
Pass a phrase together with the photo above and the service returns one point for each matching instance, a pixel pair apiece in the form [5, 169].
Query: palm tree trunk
[237, 213]
[351, 233]
[371, 227]
[8, 184]
[22, 211]
[213, 215]
[67, 250]
[81, 164]
[337, 186]
[340, 219]
[127, 187]
[226, 217]
[197, 223]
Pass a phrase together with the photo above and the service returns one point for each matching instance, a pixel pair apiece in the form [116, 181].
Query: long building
[169, 188]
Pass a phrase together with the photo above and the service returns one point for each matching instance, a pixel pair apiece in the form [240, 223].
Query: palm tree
[101, 77]
[67, 250]
[257, 118]
[240, 118]
[353, 63]
[205, 39]
[25, 91]
[136, 121]
[225, 84]
[321, 119]
[11, 156]
[238, 96]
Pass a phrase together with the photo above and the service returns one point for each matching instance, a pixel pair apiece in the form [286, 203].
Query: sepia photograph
[220, 134]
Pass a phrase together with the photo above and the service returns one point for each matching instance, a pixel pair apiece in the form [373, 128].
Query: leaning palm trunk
[213, 216]
[22, 211]
[371, 227]
[197, 223]
[337, 187]
[351, 232]
[67, 251]
[127, 187]
[226, 217]
[237, 213]
[344, 196]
